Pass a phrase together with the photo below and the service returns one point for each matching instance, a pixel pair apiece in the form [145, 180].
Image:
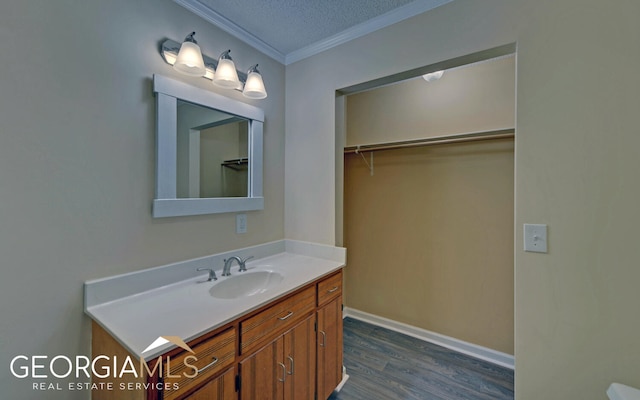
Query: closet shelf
[459, 138]
[236, 164]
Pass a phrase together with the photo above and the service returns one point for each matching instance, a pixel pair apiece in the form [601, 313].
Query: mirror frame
[166, 204]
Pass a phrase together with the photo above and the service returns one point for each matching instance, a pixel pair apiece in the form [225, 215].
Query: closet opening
[425, 202]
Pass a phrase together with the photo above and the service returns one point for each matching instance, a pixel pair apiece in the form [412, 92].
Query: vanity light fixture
[433, 76]
[222, 71]
[226, 75]
[254, 86]
[189, 60]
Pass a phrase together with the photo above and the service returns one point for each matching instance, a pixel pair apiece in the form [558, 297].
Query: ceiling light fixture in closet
[433, 76]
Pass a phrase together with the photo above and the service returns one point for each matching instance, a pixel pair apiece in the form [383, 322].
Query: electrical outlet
[241, 223]
[535, 238]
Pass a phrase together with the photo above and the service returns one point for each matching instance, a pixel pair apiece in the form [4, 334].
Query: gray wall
[77, 154]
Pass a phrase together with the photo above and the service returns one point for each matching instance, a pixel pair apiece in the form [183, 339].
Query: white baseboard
[473, 350]
[345, 377]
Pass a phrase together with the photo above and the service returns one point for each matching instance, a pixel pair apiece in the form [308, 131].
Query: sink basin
[246, 284]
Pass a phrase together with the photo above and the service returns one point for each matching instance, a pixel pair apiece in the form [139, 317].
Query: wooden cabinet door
[262, 375]
[220, 388]
[284, 369]
[300, 361]
[329, 347]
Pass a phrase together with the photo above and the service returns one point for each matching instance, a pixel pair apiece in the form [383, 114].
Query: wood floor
[386, 365]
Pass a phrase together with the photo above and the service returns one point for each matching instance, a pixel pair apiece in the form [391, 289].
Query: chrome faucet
[212, 273]
[226, 270]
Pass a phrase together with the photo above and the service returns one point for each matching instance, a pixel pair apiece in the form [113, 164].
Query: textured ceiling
[290, 26]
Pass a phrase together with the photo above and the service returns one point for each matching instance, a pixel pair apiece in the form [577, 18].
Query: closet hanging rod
[464, 137]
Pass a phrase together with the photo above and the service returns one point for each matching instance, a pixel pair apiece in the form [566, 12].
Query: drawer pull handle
[286, 316]
[215, 360]
[284, 372]
[333, 290]
[324, 339]
[292, 366]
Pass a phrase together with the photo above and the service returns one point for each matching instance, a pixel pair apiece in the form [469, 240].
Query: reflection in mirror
[212, 153]
[208, 152]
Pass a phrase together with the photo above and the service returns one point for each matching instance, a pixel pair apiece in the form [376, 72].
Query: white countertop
[186, 309]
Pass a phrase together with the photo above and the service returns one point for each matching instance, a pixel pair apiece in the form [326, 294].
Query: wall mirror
[209, 152]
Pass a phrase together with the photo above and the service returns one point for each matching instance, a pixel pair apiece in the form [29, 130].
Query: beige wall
[430, 234]
[430, 239]
[576, 169]
[77, 154]
[475, 98]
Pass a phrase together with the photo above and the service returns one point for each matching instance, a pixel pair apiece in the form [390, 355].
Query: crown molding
[372, 25]
[230, 27]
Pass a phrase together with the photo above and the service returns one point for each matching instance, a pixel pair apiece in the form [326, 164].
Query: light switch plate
[241, 223]
[535, 238]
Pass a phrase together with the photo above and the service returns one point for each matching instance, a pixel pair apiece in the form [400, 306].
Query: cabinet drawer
[221, 388]
[276, 319]
[213, 355]
[329, 288]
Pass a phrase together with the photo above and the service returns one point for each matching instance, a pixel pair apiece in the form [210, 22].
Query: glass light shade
[189, 60]
[226, 75]
[209, 73]
[254, 87]
[169, 56]
[433, 76]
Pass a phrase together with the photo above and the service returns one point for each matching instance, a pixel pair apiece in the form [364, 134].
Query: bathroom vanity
[282, 343]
